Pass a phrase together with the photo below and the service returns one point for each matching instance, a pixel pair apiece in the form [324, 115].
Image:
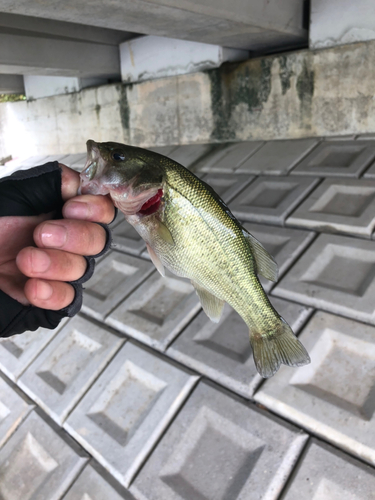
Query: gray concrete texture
[286, 96]
[164, 404]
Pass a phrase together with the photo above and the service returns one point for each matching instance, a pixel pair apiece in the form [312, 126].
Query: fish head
[133, 177]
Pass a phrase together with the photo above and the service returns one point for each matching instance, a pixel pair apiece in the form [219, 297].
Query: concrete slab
[19, 351]
[227, 186]
[79, 162]
[339, 206]
[334, 395]
[277, 157]
[93, 486]
[126, 239]
[336, 274]
[327, 474]
[128, 408]
[71, 160]
[218, 448]
[13, 409]
[58, 157]
[63, 372]
[34, 161]
[370, 172]
[284, 244]
[338, 158]
[228, 157]
[164, 150]
[116, 276]
[38, 462]
[271, 199]
[188, 155]
[157, 311]
[221, 351]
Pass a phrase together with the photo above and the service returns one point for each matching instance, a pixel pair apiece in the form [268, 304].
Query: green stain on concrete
[285, 73]
[97, 111]
[305, 84]
[231, 85]
[124, 106]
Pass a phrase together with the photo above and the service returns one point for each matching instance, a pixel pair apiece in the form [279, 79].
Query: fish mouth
[88, 185]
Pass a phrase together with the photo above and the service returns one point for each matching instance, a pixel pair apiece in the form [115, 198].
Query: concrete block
[346, 137]
[75, 161]
[277, 157]
[228, 157]
[93, 486]
[38, 462]
[218, 447]
[365, 137]
[63, 372]
[327, 474]
[221, 351]
[271, 199]
[13, 410]
[116, 276]
[128, 408]
[126, 239]
[157, 311]
[284, 244]
[333, 396]
[370, 172]
[164, 150]
[336, 274]
[188, 155]
[339, 206]
[338, 158]
[19, 351]
[150, 57]
[227, 186]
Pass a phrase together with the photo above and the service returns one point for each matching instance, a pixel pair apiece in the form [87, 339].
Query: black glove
[33, 192]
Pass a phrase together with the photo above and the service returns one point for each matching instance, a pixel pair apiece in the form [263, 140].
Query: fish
[189, 230]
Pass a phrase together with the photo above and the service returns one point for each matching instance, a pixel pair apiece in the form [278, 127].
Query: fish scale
[190, 231]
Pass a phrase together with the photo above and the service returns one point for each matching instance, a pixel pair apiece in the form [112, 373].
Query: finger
[75, 236]
[69, 182]
[52, 295]
[51, 264]
[89, 207]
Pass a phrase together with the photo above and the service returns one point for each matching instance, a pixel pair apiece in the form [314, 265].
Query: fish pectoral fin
[156, 260]
[212, 306]
[266, 266]
[164, 233]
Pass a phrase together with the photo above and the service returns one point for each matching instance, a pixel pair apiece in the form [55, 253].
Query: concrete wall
[298, 94]
[337, 22]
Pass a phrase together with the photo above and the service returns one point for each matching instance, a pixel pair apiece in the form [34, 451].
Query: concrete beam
[254, 25]
[11, 84]
[355, 22]
[34, 26]
[295, 95]
[28, 55]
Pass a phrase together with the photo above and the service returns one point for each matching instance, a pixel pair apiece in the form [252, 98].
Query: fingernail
[40, 261]
[53, 235]
[76, 210]
[43, 290]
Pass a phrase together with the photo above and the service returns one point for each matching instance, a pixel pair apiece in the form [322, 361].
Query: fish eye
[118, 156]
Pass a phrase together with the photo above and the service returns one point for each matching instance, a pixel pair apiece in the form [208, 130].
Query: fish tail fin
[280, 346]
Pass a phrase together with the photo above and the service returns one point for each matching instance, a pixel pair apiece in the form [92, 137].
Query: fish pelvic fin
[280, 346]
[212, 306]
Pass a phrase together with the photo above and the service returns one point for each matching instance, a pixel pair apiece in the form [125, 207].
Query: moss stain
[231, 85]
[124, 106]
[305, 84]
[285, 73]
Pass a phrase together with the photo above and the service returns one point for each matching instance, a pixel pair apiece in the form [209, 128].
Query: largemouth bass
[189, 230]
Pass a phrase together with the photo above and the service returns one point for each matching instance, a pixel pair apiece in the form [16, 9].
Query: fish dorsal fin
[156, 260]
[212, 306]
[266, 266]
[164, 232]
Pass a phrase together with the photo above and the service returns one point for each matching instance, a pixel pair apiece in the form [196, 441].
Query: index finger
[69, 182]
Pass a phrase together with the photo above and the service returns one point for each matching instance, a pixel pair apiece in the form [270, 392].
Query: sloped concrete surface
[162, 403]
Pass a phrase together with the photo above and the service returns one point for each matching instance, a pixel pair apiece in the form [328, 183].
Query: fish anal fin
[156, 260]
[164, 232]
[282, 346]
[212, 306]
[266, 266]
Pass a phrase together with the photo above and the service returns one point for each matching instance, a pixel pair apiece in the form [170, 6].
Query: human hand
[39, 255]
